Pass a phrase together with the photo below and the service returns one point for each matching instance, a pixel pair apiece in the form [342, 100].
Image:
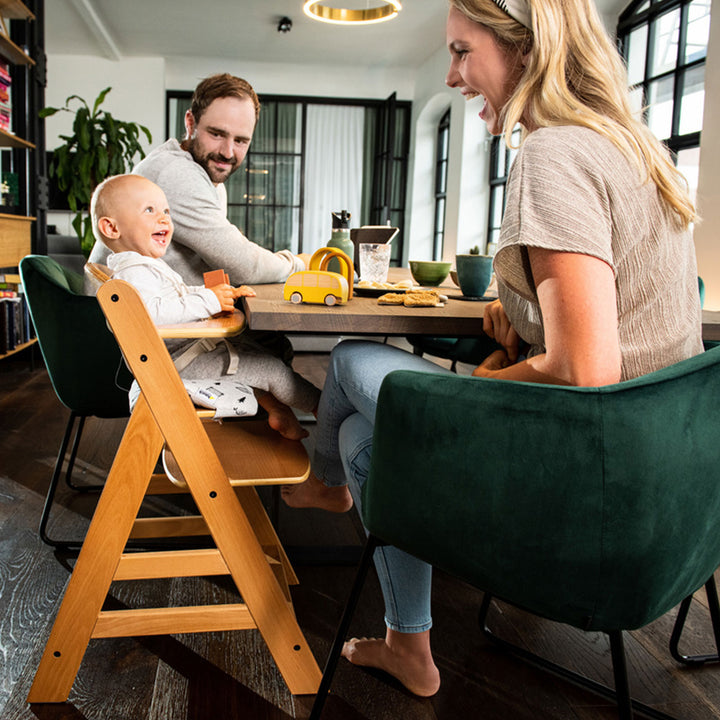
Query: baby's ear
[108, 228]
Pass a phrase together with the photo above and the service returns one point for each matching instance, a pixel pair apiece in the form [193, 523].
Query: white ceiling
[245, 30]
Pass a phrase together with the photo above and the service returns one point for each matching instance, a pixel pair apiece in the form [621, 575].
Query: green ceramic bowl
[429, 272]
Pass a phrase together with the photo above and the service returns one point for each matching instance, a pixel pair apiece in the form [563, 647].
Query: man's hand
[243, 291]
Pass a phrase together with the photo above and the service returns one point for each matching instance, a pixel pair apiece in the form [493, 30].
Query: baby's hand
[226, 295]
[243, 291]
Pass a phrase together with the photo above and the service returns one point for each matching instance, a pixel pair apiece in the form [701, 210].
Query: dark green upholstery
[81, 354]
[596, 507]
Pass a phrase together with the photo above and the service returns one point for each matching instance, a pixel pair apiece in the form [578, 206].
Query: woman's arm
[579, 309]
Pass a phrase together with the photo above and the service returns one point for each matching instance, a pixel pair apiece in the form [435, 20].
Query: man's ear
[108, 228]
[189, 124]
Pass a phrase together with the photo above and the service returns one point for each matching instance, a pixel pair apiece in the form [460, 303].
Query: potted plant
[100, 146]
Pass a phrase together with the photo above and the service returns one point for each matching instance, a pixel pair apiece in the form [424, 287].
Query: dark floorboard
[231, 675]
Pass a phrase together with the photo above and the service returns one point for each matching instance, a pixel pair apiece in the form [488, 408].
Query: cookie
[391, 299]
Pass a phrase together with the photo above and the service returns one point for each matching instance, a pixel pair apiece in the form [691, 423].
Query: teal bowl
[429, 272]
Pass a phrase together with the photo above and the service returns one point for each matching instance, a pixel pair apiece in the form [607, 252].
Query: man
[219, 126]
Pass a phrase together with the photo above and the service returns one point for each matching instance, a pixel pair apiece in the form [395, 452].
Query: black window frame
[400, 156]
[442, 156]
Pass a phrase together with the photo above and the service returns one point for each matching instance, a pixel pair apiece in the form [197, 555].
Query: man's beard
[203, 161]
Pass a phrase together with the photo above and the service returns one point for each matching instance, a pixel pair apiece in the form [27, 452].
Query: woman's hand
[496, 324]
[492, 363]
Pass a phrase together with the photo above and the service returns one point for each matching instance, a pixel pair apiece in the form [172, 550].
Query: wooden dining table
[362, 315]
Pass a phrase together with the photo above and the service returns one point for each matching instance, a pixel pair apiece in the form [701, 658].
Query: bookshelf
[15, 229]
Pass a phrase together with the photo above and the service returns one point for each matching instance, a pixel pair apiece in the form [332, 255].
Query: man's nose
[226, 147]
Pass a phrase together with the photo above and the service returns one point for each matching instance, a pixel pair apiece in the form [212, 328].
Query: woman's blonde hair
[574, 75]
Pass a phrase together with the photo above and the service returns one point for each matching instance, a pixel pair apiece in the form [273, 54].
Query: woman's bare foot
[314, 494]
[280, 417]
[405, 656]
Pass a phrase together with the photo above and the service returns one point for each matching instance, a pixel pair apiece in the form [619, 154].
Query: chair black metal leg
[71, 460]
[50, 497]
[714, 607]
[622, 687]
[621, 693]
[332, 660]
[75, 545]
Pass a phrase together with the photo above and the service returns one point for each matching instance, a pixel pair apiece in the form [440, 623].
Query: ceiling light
[347, 16]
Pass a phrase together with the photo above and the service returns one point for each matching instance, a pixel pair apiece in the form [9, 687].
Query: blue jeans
[346, 416]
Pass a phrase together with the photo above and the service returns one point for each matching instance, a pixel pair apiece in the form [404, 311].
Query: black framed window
[501, 158]
[266, 195]
[442, 152]
[664, 43]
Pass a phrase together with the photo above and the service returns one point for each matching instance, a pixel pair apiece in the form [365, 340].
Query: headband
[518, 10]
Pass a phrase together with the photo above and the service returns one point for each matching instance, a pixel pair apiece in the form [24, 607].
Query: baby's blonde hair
[104, 199]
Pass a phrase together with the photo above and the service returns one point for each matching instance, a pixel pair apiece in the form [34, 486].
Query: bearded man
[219, 126]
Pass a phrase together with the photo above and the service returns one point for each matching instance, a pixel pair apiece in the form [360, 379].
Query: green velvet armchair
[596, 507]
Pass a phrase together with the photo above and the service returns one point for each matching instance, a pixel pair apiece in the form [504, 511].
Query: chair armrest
[224, 325]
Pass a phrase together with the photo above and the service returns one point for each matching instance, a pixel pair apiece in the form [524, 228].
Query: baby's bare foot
[285, 422]
[281, 418]
[314, 494]
[417, 673]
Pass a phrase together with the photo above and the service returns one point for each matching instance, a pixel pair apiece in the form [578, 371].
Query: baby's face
[143, 218]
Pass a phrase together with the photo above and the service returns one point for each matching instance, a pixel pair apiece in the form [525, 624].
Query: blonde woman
[596, 270]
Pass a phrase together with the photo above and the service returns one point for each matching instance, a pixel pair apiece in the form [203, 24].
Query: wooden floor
[223, 676]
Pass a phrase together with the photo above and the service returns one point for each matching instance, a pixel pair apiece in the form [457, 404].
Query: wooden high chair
[221, 465]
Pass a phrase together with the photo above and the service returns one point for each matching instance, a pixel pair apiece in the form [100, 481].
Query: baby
[130, 215]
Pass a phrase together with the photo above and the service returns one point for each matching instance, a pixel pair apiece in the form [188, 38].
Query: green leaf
[99, 100]
[48, 111]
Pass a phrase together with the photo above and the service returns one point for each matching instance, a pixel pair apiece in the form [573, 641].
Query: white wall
[467, 191]
[138, 94]
[707, 237]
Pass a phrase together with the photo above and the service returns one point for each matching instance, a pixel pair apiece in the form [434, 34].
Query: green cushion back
[598, 507]
[81, 355]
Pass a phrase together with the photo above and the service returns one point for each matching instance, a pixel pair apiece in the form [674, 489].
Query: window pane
[693, 100]
[264, 136]
[637, 102]
[236, 185]
[440, 215]
[660, 102]
[287, 229]
[441, 178]
[398, 186]
[500, 157]
[261, 223]
[289, 128]
[498, 198]
[236, 215]
[636, 53]
[400, 124]
[663, 54]
[287, 186]
[698, 30]
[260, 173]
[688, 162]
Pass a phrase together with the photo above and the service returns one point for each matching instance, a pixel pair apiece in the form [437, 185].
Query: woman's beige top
[570, 189]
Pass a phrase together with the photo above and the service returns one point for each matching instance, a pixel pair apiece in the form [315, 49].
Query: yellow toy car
[318, 285]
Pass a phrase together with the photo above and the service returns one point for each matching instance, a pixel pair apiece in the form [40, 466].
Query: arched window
[501, 158]
[442, 151]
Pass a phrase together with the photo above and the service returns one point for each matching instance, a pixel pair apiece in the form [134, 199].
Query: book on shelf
[15, 324]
